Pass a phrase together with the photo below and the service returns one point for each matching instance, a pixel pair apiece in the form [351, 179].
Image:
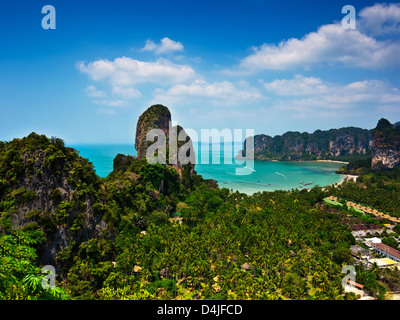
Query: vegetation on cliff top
[386, 135]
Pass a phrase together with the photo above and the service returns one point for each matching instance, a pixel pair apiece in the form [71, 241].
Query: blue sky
[271, 66]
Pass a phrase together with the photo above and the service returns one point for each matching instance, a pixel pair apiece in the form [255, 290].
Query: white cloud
[297, 87]
[389, 109]
[91, 91]
[166, 45]
[330, 44]
[220, 93]
[150, 46]
[380, 19]
[126, 93]
[123, 93]
[309, 95]
[125, 71]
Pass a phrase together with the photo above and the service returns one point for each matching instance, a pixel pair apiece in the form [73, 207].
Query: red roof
[355, 284]
[387, 249]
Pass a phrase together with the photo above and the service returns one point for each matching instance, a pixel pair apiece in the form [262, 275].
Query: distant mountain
[330, 144]
[386, 145]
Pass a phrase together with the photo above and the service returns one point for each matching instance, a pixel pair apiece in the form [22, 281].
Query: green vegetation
[20, 275]
[386, 132]
[378, 189]
[357, 167]
[343, 144]
[221, 245]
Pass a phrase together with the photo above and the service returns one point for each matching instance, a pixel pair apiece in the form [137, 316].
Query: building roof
[357, 285]
[374, 240]
[383, 262]
[355, 249]
[395, 253]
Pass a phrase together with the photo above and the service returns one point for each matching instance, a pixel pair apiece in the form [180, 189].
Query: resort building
[359, 252]
[366, 209]
[355, 284]
[374, 240]
[386, 251]
[383, 263]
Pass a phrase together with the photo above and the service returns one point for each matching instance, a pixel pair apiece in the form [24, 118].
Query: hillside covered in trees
[126, 240]
[161, 231]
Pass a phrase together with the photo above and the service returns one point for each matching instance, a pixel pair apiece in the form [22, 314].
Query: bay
[102, 155]
[262, 175]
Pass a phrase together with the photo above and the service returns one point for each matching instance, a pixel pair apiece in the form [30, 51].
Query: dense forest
[126, 237]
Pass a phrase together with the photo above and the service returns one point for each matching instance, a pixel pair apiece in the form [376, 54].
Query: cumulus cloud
[125, 71]
[221, 93]
[312, 95]
[91, 91]
[126, 93]
[329, 44]
[166, 45]
[380, 19]
[298, 86]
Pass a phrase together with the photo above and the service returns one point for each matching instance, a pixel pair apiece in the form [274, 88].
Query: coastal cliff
[179, 147]
[48, 187]
[330, 144]
[45, 185]
[386, 145]
[155, 117]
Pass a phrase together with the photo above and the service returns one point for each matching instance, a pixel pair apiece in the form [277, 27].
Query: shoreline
[348, 177]
[333, 161]
[300, 160]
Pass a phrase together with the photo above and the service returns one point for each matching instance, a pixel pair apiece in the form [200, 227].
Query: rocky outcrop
[260, 142]
[345, 144]
[179, 151]
[51, 187]
[385, 146]
[311, 146]
[155, 117]
[121, 162]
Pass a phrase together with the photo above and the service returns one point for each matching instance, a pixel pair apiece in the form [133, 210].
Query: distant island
[382, 144]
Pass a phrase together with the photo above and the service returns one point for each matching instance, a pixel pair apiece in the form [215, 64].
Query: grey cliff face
[386, 146]
[49, 193]
[159, 117]
[320, 144]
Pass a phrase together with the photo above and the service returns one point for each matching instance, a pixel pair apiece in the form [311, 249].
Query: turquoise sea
[263, 175]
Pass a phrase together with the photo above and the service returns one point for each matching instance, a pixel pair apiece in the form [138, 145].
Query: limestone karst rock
[385, 146]
[155, 117]
[55, 189]
[179, 151]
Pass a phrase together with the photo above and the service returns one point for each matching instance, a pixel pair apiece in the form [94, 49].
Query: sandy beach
[335, 161]
[348, 177]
